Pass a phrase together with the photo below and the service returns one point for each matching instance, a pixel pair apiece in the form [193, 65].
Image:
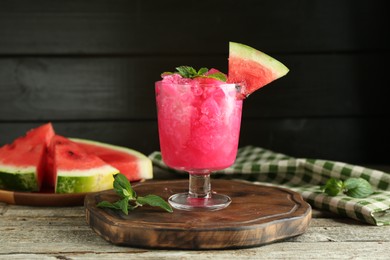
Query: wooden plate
[257, 215]
[42, 198]
[45, 198]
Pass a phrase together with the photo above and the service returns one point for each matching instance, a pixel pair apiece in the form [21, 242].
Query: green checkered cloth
[306, 176]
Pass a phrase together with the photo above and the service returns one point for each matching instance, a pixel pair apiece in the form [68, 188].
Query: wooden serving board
[257, 215]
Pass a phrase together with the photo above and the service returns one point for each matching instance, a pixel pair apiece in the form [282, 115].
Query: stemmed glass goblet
[199, 126]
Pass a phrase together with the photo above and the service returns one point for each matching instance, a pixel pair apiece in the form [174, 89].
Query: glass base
[184, 201]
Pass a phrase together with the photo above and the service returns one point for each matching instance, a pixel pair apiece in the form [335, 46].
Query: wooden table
[62, 233]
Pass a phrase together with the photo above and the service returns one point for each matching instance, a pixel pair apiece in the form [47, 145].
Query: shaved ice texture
[199, 122]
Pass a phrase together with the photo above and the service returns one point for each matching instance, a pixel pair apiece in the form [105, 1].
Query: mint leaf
[333, 187]
[353, 187]
[106, 204]
[358, 188]
[123, 187]
[190, 72]
[187, 71]
[154, 201]
[129, 199]
[218, 75]
[202, 71]
[123, 205]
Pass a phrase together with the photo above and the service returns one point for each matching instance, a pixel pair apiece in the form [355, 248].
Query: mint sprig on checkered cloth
[306, 176]
[353, 187]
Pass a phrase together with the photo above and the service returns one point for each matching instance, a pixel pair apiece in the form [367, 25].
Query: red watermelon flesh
[70, 154]
[22, 163]
[252, 69]
[76, 170]
[134, 165]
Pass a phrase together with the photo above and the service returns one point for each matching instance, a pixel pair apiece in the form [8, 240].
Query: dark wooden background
[89, 66]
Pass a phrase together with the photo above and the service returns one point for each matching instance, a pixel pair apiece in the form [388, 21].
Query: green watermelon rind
[18, 178]
[80, 181]
[243, 51]
[144, 162]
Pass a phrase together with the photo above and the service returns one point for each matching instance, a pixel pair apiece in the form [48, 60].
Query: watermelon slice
[22, 163]
[134, 165]
[75, 170]
[252, 69]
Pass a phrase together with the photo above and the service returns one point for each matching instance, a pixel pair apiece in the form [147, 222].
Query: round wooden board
[257, 215]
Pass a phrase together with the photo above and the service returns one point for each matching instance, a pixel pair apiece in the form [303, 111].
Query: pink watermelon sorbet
[199, 123]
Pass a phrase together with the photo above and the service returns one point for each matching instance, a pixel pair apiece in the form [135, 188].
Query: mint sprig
[353, 187]
[129, 199]
[190, 72]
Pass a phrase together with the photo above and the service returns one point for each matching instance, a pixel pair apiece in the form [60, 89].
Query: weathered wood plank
[27, 213]
[123, 87]
[364, 250]
[63, 27]
[62, 233]
[39, 238]
[43, 230]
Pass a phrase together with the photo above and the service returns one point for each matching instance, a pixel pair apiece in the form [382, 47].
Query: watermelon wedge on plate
[76, 171]
[22, 163]
[252, 69]
[133, 164]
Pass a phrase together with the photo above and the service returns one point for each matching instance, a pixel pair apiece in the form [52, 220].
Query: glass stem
[199, 186]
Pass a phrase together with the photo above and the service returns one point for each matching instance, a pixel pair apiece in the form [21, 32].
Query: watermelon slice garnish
[252, 69]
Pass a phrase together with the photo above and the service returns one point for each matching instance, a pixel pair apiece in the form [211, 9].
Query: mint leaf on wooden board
[123, 204]
[106, 204]
[129, 199]
[154, 201]
[123, 187]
